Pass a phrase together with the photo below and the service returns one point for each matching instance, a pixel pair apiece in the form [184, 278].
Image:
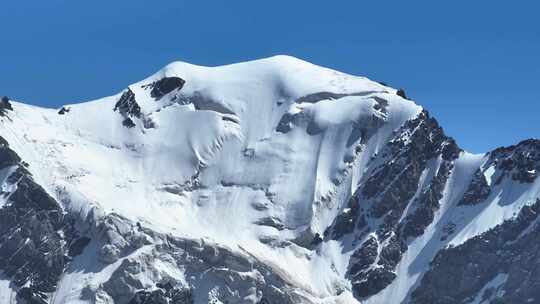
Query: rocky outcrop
[164, 294]
[477, 191]
[401, 93]
[388, 192]
[511, 250]
[5, 106]
[165, 86]
[38, 239]
[128, 123]
[520, 162]
[347, 221]
[211, 273]
[427, 203]
[63, 110]
[128, 107]
[34, 233]
[118, 237]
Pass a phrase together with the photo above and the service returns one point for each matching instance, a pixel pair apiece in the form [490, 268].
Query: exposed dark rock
[387, 192]
[231, 119]
[5, 105]
[166, 85]
[30, 295]
[511, 248]
[427, 203]
[382, 104]
[78, 245]
[477, 191]
[368, 279]
[8, 157]
[345, 222]
[128, 107]
[376, 280]
[450, 149]
[149, 297]
[317, 239]
[165, 294]
[391, 254]
[395, 183]
[285, 123]
[398, 192]
[33, 233]
[63, 110]
[363, 259]
[521, 162]
[401, 92]
[128, 122]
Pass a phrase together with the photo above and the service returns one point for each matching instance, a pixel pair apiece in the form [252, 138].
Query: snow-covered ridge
[177, 136]
[277, 163]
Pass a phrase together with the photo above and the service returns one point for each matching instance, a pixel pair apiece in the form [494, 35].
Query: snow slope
[259, 157]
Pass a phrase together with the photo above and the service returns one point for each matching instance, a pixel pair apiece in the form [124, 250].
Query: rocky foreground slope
[266, 182]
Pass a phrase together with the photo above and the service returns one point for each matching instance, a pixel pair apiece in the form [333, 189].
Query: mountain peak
[267, 181]
[272, 60]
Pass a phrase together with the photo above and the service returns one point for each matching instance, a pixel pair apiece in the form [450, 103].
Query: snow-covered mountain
[271, 181]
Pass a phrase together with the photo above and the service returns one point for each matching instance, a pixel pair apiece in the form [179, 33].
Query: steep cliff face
[271, 181]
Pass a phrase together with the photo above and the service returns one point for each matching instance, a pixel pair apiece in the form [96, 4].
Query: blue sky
[475, 65]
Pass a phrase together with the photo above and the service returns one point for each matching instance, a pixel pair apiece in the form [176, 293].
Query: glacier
[269, 181]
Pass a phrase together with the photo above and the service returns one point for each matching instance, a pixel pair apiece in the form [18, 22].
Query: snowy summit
[265, 182]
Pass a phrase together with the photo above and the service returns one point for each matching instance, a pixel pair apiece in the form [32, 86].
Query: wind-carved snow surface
[256, 158]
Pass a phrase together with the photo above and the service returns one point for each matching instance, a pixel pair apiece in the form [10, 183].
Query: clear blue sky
[475, 65]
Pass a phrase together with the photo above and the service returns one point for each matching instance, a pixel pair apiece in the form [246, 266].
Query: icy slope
[271, 181]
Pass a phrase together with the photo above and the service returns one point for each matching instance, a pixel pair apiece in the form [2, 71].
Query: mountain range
[272, 181]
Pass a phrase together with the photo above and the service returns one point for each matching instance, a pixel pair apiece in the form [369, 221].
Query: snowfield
[258, 157]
